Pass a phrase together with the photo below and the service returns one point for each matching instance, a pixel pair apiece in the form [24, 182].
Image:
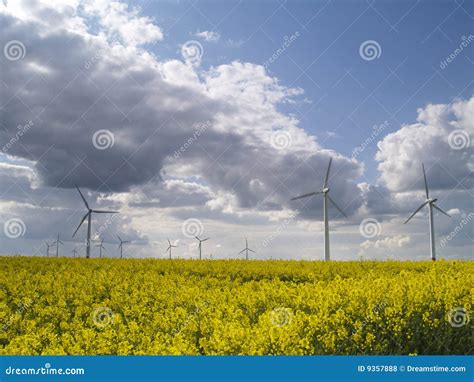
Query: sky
[205, 118]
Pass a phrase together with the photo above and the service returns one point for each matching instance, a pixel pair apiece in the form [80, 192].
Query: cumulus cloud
[149, 109]
[209, 36]
[442, 138]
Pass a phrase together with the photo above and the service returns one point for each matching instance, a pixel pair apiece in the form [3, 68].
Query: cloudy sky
[205, 117]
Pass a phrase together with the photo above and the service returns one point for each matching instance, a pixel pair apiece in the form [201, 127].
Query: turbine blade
[169, 242]
[82, 196]
[414, 213]
[104, 212]
[440, 210]
[426, 183]
[126, 241]
[327, 173]
[79, 226]
[242, 251]
[306, 195]
[251, 250]
[335, 205]
[206, 239]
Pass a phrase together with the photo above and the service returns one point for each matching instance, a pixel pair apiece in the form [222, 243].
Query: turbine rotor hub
[326, 190]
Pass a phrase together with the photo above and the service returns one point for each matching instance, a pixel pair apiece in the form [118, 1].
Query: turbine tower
[120, 247]
[88, 216]
[246, 250]
[74, 251]
[57, 242]
[48, 246]
[431, 204]
[200, 245]
[170, 246]
[101, 247]
[326, 199]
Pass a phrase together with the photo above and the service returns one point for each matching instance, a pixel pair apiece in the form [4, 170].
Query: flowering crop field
[112, 306]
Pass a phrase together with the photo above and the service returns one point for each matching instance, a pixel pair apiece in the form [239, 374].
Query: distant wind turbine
[74, 251]
[57, 242]
[200, 245]
[120, 247]
[88, 216]
[246, 250]
[326, 199]
[431, 204]
[101, 247]
[48, 246]
[170, 246]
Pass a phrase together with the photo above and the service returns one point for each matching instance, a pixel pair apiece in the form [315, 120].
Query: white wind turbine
[326, 199]
[101, 247]
[170, 246]
[200, 245]
[74, 251]
[120, 247]
[431, 204]
[88, 216]
[57, 242]
[48, 246]
[246, 250]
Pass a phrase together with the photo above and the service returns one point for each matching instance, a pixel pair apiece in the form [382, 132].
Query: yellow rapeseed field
[111, 306]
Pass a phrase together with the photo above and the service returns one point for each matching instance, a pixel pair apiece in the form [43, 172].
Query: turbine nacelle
[431, 200]
[325, 190]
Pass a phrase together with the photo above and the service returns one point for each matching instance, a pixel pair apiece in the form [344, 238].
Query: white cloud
[209, 36]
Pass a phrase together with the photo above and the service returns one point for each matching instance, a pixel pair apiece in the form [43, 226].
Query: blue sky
[104, 94]
[415, 37]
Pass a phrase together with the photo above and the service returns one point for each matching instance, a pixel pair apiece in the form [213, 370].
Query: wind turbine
[57, 242]
[246, 250]
[120, 247]
[326, 199]
[74, 251]
[431, 204]
[48, 246]
[170, 246]
[101, 247]
[88, 216]
[200, 245]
